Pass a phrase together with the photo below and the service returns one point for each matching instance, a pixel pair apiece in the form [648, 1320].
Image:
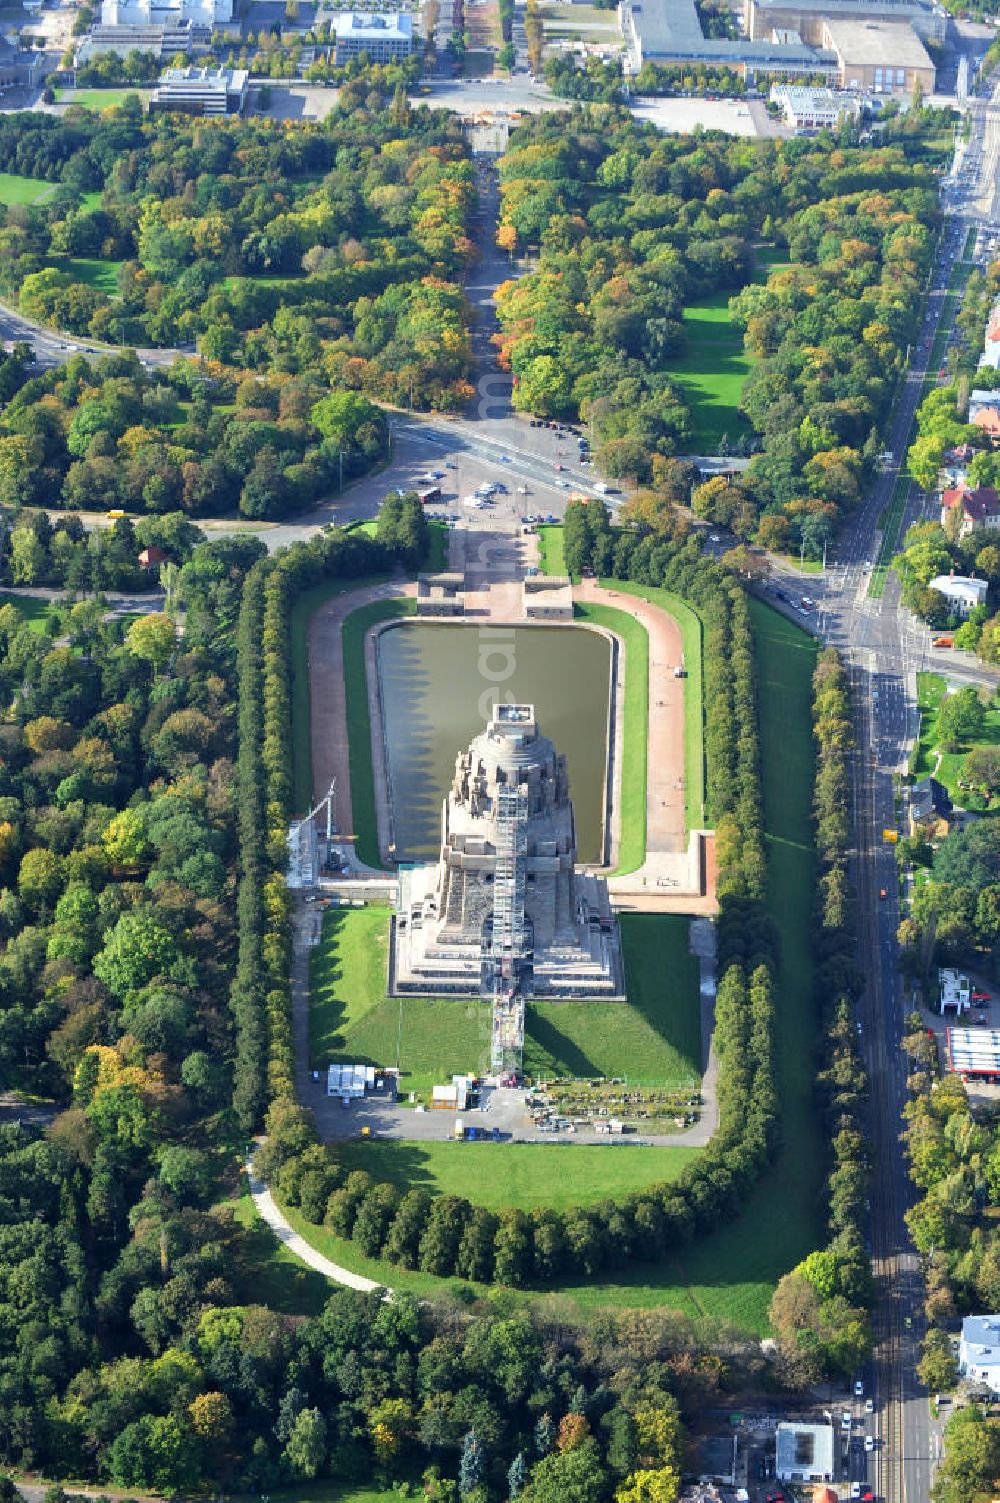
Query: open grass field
[359, 729]
[635, 728]
[522, 1175]
[552, 555]
[24, 190]
[711, 373]
[98, 99]
[35, 612]
[946, 766]
[653, 1039]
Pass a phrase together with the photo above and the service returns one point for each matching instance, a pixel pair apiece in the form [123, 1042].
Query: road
[885, 647]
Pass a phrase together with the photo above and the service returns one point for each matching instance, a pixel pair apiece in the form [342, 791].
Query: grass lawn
[552, 554]
[35, 612]
[522, 1175]
[24, 190]
[947, 766]
[359, 720]
[653, 1039]
[730, 1275]
[635, 727]
[266, 1273]
[97, 99]
[697, 812]
[711, 373]
[94, 272]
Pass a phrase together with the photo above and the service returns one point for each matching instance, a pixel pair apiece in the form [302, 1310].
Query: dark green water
[436, 685]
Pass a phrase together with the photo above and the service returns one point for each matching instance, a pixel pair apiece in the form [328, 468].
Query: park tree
[153, 638]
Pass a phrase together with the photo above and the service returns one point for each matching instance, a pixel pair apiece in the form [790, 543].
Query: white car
[869, 1442]
[869, 1406]
[859, 1389]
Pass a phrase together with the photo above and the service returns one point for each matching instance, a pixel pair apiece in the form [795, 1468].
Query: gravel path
[268, 1210]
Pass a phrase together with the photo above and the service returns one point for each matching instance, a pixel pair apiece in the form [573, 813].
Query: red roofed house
[987, 419]
[152, 558]
[979, 508]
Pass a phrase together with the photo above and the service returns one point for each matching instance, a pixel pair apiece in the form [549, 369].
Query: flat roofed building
[385, 37]
[979, 1350]
[814, 109]
[963, 592]
[668, 31]
[804, 1453]
[974, 1053]
[807, 17]
[879, 57]
[201, 91]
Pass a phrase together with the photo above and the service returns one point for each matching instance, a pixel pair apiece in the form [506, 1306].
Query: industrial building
[804, 1453]
[794, 38]
[162, 27]
[808, 110]
[201, 91]
[974, 1053]
[806, 18]
[979, 1351]
[879, 57]
[385, 37]
[19, 67]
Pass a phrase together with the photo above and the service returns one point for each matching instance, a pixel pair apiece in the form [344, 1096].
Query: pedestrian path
[267, 1209]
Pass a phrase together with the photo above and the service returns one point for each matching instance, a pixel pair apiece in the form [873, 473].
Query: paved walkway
[328, 700]
[678, 873]
[268, 1210]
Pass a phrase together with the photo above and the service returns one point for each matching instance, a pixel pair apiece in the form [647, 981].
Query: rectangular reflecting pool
[437, 681]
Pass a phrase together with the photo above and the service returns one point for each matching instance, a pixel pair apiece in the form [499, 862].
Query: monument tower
[505, 913]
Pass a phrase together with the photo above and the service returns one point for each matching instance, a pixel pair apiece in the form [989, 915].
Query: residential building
[807, 17]
[929, 808]
[987, 420]
[979, 507]
[385, 37]
[962, 592]
[879, 57]
[979, 399]
[804, 1453]
[955, 991]
[991, 341]
[201, 91]
[979, 1351]
[808, 110]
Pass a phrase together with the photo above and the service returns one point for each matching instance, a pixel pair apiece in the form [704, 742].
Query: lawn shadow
[567, 1058]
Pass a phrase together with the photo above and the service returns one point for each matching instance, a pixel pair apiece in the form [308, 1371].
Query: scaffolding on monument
[507, 934]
